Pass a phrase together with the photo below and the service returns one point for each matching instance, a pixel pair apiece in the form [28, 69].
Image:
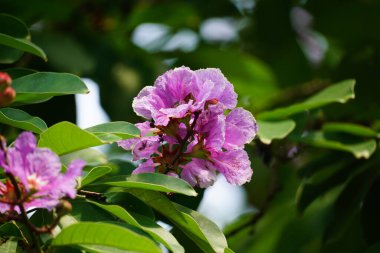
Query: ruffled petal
[234, 165]
[241, 128]
[141, 104]
[145, 167]
[222, 90]
[198, 173]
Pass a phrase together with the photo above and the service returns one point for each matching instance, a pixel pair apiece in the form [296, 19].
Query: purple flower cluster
[194, 129]
[38, 174]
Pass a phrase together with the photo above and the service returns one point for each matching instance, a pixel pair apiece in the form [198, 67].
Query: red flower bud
[7, 96]
[5, 80]
[7, 93]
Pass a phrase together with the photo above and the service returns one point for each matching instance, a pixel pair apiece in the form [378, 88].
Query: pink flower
[182, 90]
[38, 171]
[190, 134]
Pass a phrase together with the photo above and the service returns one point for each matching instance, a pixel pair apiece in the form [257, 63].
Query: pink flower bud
[7, 96]
[5, 81]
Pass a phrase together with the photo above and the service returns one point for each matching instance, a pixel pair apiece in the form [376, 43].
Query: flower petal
[198, 172]
[234, 165]
[241, 128]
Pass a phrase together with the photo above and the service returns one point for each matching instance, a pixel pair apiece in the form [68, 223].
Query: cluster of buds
[7, 93]
[193, 128]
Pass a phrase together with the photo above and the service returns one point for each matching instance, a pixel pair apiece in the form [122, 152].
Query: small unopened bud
[63, 208]
[212, 101]
[5, 80]
[7, 96]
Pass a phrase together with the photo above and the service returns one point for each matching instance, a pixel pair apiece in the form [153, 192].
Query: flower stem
[24, 217]
[182, 144]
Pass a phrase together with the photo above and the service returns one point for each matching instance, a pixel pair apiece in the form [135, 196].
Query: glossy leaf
[337, 93]
[350, 128]
[95, 174]
[198, 228]
[13, 27]
[146, 224]
[120, 129]
[270, 130]
[103, 234]
[42, 86]
[22, 44]
[65, 137]
[152, 181]
[19, 72]
[20, 119]
[363, 149]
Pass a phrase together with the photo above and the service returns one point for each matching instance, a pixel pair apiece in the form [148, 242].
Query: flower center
[35, 182]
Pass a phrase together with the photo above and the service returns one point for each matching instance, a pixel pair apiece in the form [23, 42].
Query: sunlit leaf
[337, 93]
[270, 130]
[95, 174]
[152, 181]
[103, 234]
[93, 157]
[42, 86]
[21, 119]
[120, 129]
[9, 246]
[65, 137]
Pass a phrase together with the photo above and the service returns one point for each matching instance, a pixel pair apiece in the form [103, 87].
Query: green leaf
[103, 234]
[65, 137]
[350, 128]
[146, 224]
[119, 129]
[19, 72]
[198, 228]
[363, 149]
[9, 246]
[270, 130]
[352, 198]
[95, 174]
[21, 119]
[22, 44]
[14, 27]
[228, 250]
[337, 93]
[152, 181]
[92, 157]
[42, 86]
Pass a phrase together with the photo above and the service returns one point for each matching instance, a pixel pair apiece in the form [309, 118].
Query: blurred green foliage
[316, 184]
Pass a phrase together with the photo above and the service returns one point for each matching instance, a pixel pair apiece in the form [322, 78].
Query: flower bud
[7, 96]
[63, 208]
[5, 80]
[7, 93]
